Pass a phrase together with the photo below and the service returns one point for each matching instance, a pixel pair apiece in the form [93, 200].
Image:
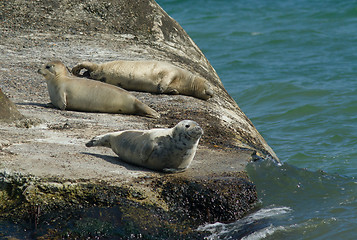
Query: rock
[64, 180]
[8, 110]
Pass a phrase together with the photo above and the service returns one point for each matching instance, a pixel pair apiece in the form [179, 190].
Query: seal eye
[187, 126]
[47, 66]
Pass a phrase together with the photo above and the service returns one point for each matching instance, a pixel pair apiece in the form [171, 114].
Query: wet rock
[216, 198]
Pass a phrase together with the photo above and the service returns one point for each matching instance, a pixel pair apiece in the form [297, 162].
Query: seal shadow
[51, 106]
[43, 105]
[117, 160]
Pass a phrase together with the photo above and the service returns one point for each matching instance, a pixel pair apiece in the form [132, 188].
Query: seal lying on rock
[73, 93]
[163, 149]
[148, 76]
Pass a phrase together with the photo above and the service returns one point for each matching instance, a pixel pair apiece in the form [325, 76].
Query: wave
[322, 204]
[264, 233]
[294, 202]
[252, 226]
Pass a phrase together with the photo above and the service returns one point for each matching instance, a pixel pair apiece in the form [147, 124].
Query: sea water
[291, 65]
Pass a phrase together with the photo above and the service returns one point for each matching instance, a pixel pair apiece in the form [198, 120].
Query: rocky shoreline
[49, 178]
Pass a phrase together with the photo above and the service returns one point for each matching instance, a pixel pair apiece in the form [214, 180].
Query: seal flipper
[145, 110]
[102, 140]
[62, 103]
[173, 170]
[172, 91]
[91, 143]
[209, 92]
[88, 66]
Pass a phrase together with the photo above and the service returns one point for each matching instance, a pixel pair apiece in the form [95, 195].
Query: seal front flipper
[160, 89]
[166, 80]
[62, 101]
[167, 90]
[172, 91]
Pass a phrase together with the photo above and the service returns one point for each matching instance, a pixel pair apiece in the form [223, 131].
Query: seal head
[188, 129]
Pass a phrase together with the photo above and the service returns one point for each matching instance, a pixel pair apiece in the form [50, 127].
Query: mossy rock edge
[55, 208]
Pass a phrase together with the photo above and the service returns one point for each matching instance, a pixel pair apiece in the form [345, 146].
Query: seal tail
[102, 140]
[90, 67]
[144, 110]
[209, 91]
[202, 89]
[91, 143]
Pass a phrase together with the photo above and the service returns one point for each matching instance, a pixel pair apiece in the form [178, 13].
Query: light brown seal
[73, 93]
[147, 76]
[163, 149]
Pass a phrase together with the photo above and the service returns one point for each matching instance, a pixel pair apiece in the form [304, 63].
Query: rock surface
[8, 110]
[45, 152]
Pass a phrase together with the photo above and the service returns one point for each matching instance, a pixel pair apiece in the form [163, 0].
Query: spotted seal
[162, 149]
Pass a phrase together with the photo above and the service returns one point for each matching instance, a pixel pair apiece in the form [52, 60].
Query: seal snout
[40, 71]
[192, 129]
[195, 132]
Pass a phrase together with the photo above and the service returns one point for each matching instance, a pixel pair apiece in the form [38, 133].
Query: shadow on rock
[118, 161]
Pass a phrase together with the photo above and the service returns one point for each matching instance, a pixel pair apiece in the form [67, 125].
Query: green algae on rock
[216, 198]
[58, 208]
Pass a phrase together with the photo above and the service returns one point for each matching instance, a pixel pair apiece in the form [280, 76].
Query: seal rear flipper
[145, 110]
[90, 143]
[102, 140]
[209, 92]
[94, 142]
[173, 170]
[90, 67]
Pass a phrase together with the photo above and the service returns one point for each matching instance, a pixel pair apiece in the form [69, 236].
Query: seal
[163, 149]
[74, 93]
[147, 76]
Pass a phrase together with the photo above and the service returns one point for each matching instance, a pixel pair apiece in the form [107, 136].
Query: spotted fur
[168, 150]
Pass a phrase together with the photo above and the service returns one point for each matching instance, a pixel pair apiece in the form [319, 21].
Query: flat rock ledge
[54, 187]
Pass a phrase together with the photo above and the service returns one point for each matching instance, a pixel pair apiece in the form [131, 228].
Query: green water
[292, 68]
